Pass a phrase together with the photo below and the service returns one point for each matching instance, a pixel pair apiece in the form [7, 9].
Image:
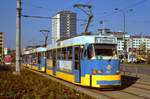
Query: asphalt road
[142, 69]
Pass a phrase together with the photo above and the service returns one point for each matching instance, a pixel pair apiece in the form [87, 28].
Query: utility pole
[124, 31]
[18, 36]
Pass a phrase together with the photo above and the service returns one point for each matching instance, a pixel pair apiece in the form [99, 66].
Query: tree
[141, 53]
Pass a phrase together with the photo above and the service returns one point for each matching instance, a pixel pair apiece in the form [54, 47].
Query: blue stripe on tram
[109, 82]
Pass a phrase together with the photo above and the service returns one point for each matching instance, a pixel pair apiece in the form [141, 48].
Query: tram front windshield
[101, 51]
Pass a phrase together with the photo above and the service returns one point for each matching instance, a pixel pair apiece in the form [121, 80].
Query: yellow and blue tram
[85, 60]
[35, 59]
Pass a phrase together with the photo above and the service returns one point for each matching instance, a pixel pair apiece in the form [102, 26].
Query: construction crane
[87, 10]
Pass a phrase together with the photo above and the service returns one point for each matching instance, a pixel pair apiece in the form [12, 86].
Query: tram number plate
[104, 40]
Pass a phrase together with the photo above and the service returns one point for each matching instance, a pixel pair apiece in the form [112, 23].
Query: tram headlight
[117, 72]
[94, 71]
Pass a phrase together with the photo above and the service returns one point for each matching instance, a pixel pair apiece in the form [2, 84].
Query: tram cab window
[104, 50]
[100, 51]
[90, 51]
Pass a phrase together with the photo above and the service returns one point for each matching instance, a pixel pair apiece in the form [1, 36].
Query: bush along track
[28, 85]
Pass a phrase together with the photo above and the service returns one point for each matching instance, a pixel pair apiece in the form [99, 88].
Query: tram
[35, 59]
[85, 60]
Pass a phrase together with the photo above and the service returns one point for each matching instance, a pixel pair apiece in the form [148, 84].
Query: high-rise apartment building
[63, 25]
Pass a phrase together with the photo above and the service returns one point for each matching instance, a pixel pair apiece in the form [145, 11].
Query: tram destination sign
[105, 40]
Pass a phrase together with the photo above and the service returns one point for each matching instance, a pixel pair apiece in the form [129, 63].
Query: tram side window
[64, 54]
[69, 53]
[43, 54]
[49, 54]
[54, 54]
[30, 58]
[59, 54]
[36, 58]
[54, 57]
[26, 58]
[39, 58]
[33, 57]
[76, 57]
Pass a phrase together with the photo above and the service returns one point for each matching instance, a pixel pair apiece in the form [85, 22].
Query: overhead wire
[43, 17]
[127, 7]
[124, 9]
[88, 2]
[135, 4]
[31, 5]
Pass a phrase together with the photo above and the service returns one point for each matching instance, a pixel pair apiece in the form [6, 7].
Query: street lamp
[45, 34]
[124, 30]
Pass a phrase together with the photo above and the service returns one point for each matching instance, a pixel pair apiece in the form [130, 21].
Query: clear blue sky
[137, 21]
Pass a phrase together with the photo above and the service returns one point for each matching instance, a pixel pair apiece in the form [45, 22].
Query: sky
[137, 21]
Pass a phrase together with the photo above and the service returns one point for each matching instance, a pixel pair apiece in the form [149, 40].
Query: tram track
[142, 86]
[104, 94]
[139, 90]
[143, 97]
[118, 94]
[138, 84]
[123, 93]
[143, 83]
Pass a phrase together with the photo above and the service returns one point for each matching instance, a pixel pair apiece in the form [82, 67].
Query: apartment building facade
[63, 25]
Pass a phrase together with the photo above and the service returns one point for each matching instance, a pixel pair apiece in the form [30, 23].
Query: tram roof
[88, 39]
[26, 52]
[39, 49]
[81, 40]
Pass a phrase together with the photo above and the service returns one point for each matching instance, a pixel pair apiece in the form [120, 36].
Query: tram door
[77, 72]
